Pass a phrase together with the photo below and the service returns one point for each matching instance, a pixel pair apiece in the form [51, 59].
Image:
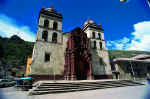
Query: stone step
[71, 90]
[49, 88]
[68, 90]
[97, 85]
[90, 83]
[87, 84]
[83, 87]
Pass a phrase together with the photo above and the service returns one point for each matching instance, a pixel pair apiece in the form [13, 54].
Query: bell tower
[100, 60]
[48, 48]
[49, 26]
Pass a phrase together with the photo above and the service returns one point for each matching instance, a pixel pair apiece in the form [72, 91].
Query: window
[54, 37]
[47, 57]
[45, 35]
[55, 26]
[99, 36]
[94, 44]
[93, 35]
[46, 23]
[100, 45]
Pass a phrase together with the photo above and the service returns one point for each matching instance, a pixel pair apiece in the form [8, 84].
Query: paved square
[131, 92]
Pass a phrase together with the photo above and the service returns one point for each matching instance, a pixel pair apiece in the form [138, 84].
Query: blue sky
[126, 25]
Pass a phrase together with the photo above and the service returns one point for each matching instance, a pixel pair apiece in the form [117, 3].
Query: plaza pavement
[130, 92]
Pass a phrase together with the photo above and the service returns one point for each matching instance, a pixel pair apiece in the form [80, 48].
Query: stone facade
[77, 56]
[48, 52]
[100, 61]
[51, 47]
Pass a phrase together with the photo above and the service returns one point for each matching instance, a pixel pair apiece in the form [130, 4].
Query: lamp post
[132, 70]
[54, 70]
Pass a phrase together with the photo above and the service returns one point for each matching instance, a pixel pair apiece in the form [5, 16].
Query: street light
[132, 70]
[54, 69]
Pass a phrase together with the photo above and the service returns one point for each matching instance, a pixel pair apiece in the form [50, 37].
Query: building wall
[29, 60]
[55, 50]
[65, 39]
[126, 72]
[56, 63]
[98, 68]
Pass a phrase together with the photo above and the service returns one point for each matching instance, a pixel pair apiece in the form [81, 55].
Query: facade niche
[55, 26]
[47, 57]
[45, 35]
[54, 37]
[93, 35]
[46, 23]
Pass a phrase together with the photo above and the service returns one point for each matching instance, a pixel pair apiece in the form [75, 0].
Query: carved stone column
[90, 77]
[73, 76]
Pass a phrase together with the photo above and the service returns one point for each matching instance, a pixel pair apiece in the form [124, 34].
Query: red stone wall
[77, 56]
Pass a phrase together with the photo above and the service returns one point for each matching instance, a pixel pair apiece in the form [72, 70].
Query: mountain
[14, 51]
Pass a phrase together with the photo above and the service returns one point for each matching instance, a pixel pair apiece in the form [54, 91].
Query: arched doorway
[82, 69]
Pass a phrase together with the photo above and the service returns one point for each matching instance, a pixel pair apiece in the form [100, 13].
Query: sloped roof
[134, 59]
[141, 56]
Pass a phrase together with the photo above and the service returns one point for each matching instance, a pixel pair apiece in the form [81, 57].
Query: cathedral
[76, 55]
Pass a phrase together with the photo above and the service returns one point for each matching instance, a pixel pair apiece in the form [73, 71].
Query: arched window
[100, 45]
[99, 36]
[93, 34]
[46, 23]
[45, 35]
[55, 26]
[94, 44]
[54, 37]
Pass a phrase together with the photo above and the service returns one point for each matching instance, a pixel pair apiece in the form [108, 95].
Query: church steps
[84, 85]
[71, 90]
[81, 87]
[64, 90]
[88, 84]
[49, 88]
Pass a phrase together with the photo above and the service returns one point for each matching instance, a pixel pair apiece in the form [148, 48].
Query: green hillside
[14, 52]
[126, 54]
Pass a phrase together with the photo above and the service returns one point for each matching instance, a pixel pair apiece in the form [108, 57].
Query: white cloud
[118, 44]
[9, 27]
[140, 39]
